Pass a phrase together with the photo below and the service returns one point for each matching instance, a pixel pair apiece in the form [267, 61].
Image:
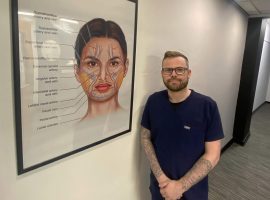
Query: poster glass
[73, 75]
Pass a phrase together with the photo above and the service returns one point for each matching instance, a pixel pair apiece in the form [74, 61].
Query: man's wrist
[161, 178]
[183, 184]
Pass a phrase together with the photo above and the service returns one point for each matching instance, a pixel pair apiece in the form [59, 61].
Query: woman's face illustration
[102, 68]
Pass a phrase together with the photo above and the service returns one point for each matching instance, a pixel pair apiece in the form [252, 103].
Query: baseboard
[227, 146]
[260, 107]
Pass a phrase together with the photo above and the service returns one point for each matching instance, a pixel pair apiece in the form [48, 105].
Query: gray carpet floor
[243, 172]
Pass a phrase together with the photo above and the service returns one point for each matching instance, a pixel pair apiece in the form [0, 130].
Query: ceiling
[255, 8]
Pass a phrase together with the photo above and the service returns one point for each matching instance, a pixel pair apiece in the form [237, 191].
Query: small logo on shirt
[187, 127]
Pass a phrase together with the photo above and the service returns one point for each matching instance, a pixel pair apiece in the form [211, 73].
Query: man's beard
[176, 87]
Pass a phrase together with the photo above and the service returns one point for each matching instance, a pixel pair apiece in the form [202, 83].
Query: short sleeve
[145, 122]
[214, 125]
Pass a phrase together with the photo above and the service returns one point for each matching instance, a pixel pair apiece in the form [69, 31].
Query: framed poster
[73, 75]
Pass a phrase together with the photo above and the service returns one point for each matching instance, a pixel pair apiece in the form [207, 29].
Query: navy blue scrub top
[179, 132]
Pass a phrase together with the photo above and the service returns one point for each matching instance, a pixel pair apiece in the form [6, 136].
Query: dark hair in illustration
[98, 27]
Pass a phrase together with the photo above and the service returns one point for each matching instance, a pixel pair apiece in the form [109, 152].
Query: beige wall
[211, 32]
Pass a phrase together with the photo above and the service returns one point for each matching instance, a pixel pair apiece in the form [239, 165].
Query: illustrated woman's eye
[92, 63]
[114, 63]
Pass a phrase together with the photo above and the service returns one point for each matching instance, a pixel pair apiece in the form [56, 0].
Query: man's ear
[189, 73]
[76, 72]
[126, 67]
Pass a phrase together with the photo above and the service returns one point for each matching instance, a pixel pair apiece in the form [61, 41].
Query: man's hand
[173, 190]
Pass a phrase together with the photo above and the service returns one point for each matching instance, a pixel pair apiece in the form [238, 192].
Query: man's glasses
[178, 70]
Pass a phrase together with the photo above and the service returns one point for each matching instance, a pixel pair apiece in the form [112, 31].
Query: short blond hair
[173, 54]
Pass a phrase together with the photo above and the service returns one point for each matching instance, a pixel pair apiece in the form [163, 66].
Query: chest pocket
[193, 132]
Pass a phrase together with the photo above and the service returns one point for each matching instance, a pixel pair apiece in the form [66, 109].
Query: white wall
[211, 32]
[268, 92]
[267, 39]
[264, 71]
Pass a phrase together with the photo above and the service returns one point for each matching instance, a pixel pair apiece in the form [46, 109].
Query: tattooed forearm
[150, 152]
[201, 168]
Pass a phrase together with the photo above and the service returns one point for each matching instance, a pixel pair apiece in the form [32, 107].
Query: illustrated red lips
[103, 87]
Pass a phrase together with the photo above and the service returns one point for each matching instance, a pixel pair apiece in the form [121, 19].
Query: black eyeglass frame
[177, 70]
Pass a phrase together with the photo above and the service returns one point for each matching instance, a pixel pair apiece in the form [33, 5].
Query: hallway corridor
[243, 173]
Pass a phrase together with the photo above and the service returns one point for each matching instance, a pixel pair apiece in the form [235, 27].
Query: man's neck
[179, 96]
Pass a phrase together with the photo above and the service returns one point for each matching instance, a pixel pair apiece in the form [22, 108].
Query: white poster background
[52, 100]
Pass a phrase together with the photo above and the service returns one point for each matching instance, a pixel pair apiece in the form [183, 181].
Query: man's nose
[173, 73]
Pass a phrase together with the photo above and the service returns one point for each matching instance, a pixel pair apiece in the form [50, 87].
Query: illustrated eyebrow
[115, 57]
[91, 57]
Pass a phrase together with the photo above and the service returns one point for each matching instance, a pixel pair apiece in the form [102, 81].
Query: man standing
[181, 133]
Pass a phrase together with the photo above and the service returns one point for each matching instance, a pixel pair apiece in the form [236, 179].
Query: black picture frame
[33, 130]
